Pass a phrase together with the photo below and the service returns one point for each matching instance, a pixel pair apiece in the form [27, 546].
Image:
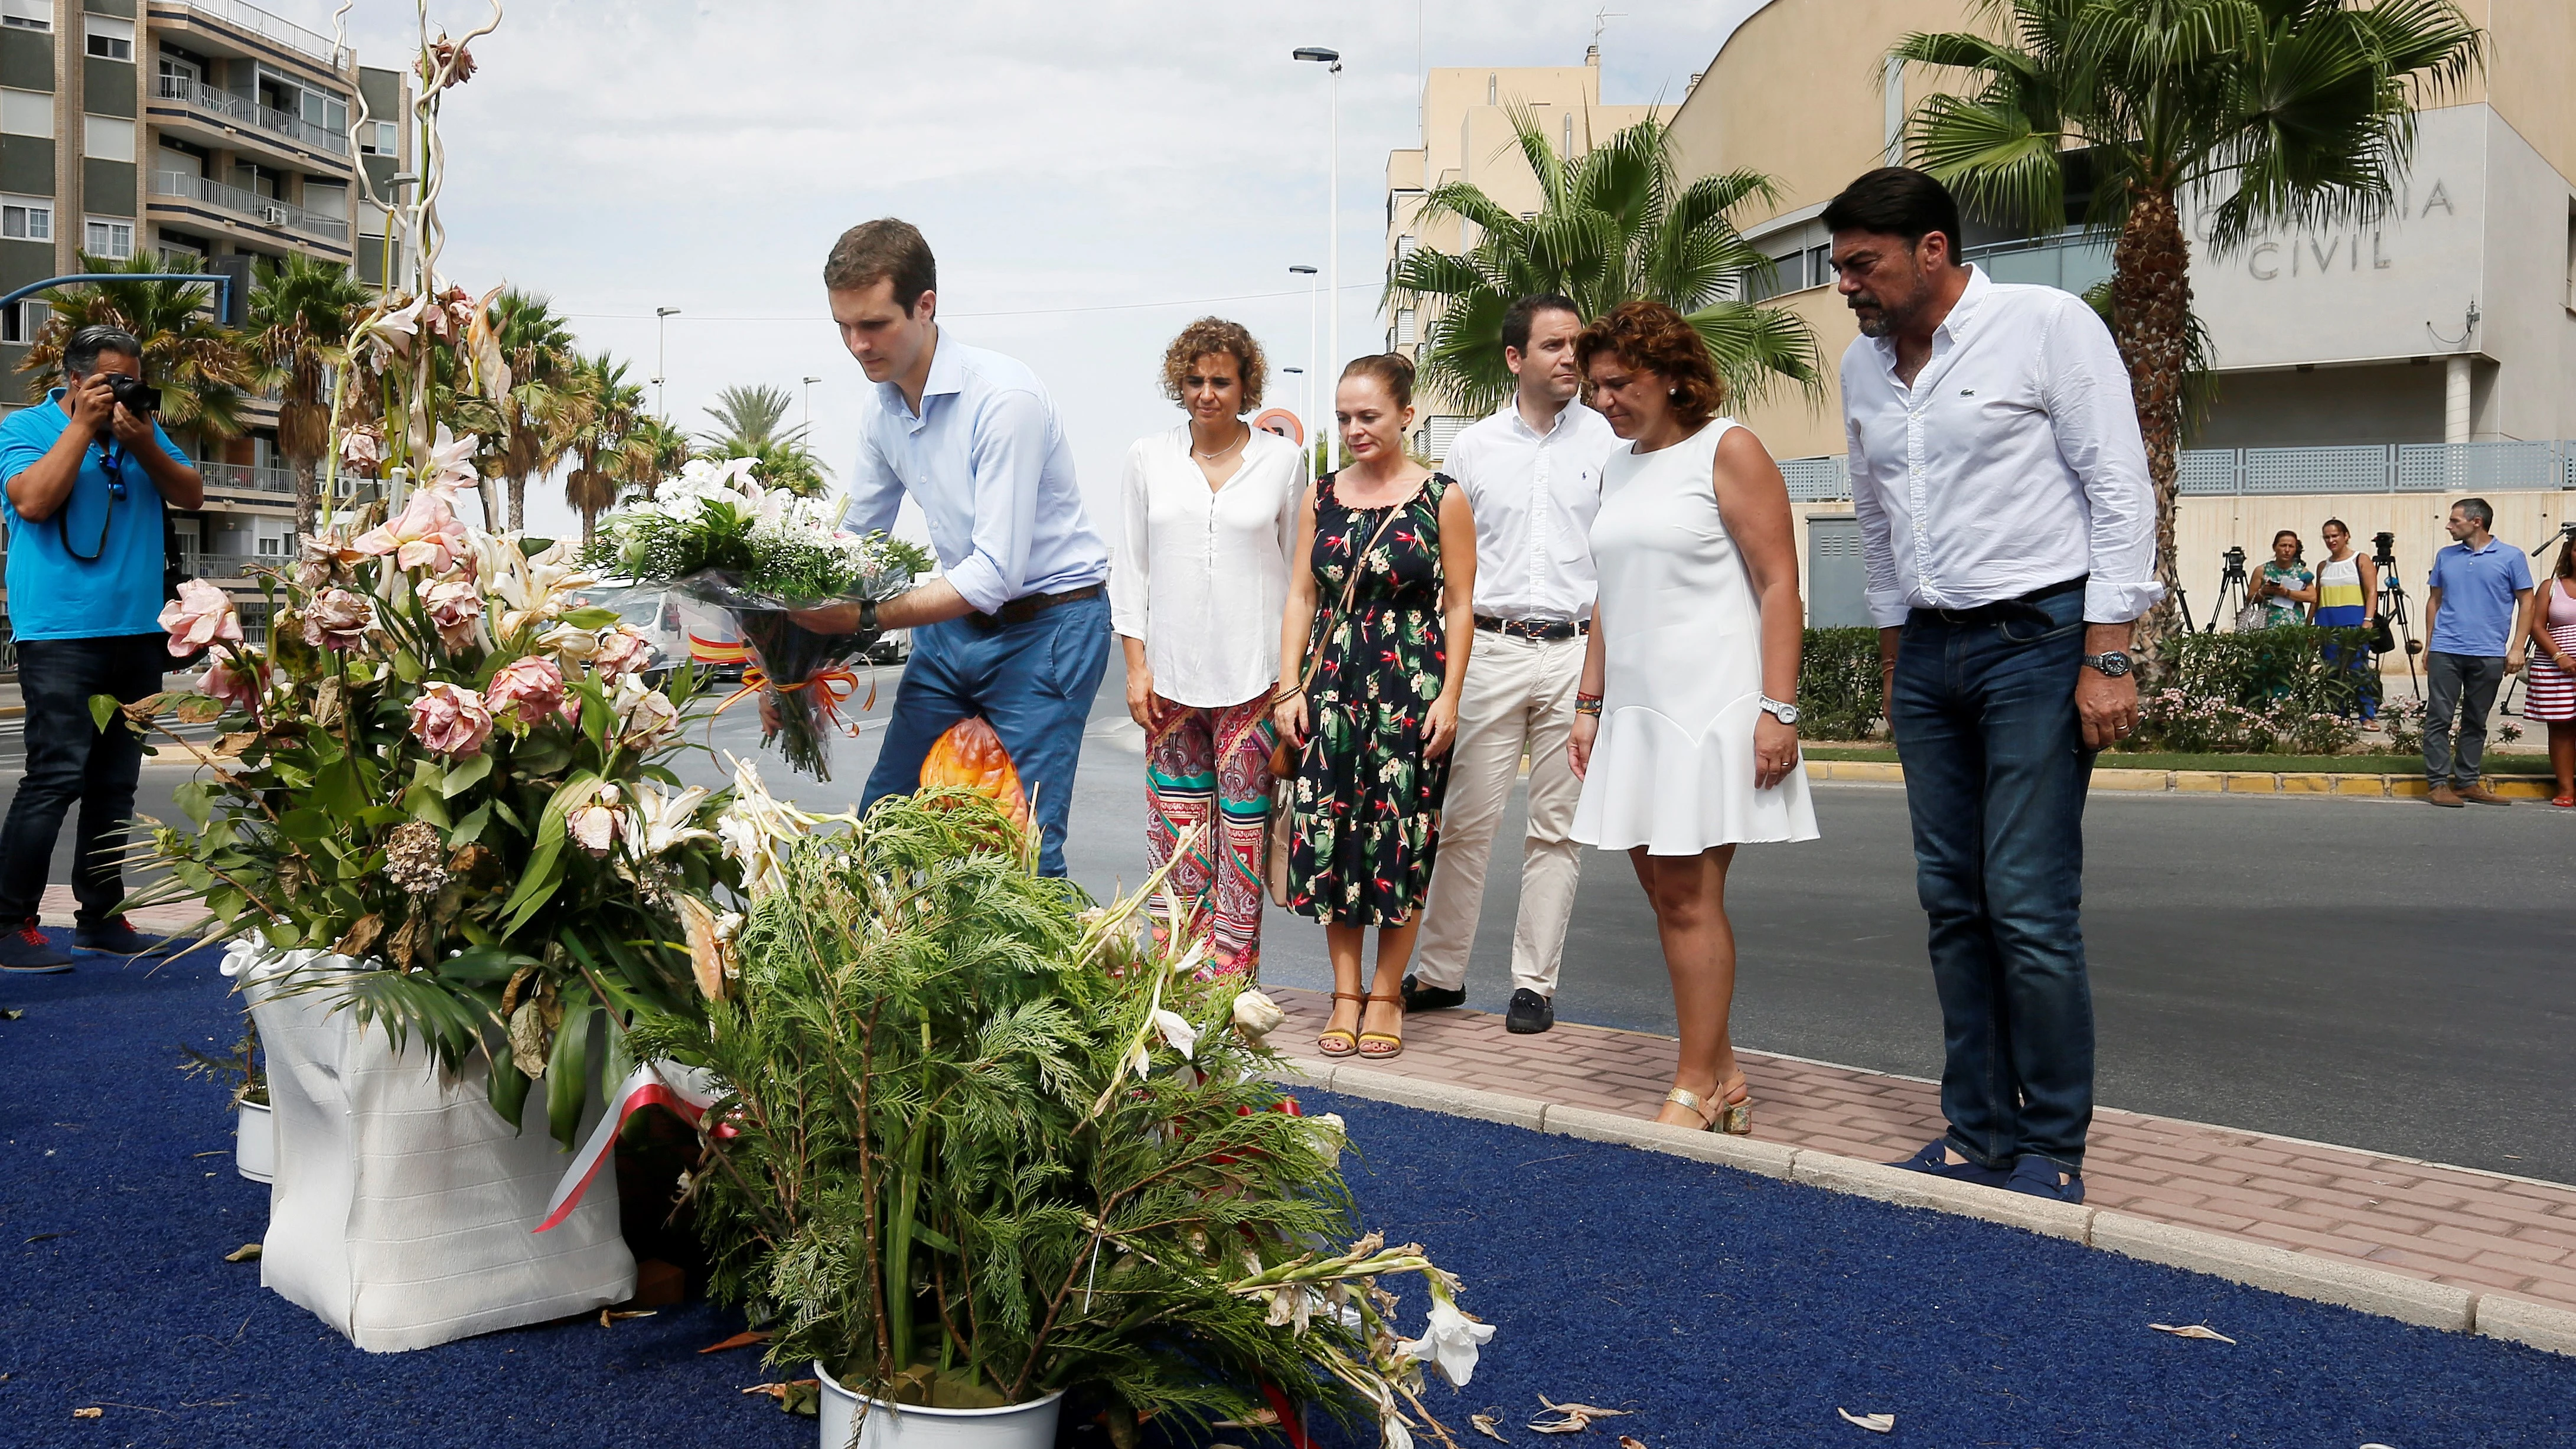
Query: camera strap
[114, 467]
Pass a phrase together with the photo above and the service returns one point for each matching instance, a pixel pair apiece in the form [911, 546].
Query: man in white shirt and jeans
[1533, 475]
[2009, 529]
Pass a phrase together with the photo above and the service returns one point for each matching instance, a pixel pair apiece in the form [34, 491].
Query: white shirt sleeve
[1886, 600]
[1008, 455]
[1130, 546]
[875, 494]
[2095, 417]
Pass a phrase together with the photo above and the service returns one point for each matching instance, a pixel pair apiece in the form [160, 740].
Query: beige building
[2372, 372]
[1467, 136]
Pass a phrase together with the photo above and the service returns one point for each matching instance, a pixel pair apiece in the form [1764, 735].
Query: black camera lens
[132, 395]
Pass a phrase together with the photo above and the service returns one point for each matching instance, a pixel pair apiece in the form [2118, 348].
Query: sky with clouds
[1091, 175]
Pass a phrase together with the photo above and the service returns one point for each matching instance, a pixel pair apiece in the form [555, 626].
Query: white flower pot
[255, 1142]
[911, 1426]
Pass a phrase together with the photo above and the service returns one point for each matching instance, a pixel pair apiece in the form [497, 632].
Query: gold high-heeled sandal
[1349, 1040]
[1735, 1119]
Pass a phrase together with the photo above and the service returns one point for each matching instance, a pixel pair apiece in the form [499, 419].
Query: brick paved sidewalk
[60, 907]
[2484, 1232]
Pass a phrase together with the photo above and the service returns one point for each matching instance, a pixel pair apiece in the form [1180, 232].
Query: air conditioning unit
[273, 215]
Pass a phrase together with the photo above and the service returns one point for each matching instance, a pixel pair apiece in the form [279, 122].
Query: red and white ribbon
[688, 1091]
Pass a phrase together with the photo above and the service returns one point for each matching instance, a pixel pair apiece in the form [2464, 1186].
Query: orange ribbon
[838, 685]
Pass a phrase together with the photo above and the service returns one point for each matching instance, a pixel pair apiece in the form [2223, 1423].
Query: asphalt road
[2372, 973]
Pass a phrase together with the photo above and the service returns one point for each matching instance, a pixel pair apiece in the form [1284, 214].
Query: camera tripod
[2392, 607]
[2231, 588]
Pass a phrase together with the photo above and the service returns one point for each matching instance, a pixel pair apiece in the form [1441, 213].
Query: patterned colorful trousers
[1201, 763]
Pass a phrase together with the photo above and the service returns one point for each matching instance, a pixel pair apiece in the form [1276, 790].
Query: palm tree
[542, 354]
[603, 417]
[199, 364]
[1615, 223]
[299, 318]
[748, 416]
[2265, 112]
[654, 450]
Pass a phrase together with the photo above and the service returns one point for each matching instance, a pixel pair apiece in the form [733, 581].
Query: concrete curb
[2258, 1265]
[2232, 782]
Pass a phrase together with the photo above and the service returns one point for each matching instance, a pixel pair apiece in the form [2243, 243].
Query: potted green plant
[254, 1131]
[978, 1150]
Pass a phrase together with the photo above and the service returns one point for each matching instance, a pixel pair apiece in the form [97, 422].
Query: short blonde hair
[1208, 336]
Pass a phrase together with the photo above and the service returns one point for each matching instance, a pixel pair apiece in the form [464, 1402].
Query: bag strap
[1350, 589]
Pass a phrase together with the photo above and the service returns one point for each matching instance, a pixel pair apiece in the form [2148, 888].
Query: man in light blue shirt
[1017, 627]
[2471, 606]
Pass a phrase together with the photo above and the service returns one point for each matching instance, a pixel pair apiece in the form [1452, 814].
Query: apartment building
[1467, 136]
[190, 129]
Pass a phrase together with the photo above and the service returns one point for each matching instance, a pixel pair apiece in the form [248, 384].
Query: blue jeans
[1995, 775]
[69, 758]
[1033, 681]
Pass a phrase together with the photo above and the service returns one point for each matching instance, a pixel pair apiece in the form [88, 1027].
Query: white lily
[757, 826]
[392, 334]
[533, 590]
[645, 715]
[1449, 1342]
[451, 462]
[1177, 1033]
[657, 823]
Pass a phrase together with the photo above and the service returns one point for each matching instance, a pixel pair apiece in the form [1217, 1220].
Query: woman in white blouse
[1198, 580]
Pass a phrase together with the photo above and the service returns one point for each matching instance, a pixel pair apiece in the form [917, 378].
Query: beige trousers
[1519, 700]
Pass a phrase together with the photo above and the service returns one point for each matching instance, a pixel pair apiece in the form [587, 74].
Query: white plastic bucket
[255, 1142]
[911, 1426]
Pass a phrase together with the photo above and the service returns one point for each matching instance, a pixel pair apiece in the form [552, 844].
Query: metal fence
[242, 477]
[2356, 468]
[251, 113]
[265, 210]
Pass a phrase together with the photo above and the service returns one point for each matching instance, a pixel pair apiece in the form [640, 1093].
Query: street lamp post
[809, 402]
[1306, 403]
[1331, 60]
[661, 359]
[1306, 443]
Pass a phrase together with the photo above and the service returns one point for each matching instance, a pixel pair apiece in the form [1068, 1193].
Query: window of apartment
[179, 78]
[2571, 254]
[20, 324]
[1405, 247]
[27, 14]
[379, 138]
[107, 237]
[1820, 265]
[326, 198]
[1493, 88]
[327, 111]
[109, 38]
[27, 113]
[1404, 330]
[107, 138]
[27, 218]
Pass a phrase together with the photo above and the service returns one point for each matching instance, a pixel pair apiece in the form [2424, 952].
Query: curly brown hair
[1210, 335]
[1652, 337]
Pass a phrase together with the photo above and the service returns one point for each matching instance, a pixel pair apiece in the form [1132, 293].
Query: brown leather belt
[1545, 630]
[1029, 606]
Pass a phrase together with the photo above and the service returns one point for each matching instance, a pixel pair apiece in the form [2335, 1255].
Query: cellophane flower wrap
[443, 759]
[760, 555]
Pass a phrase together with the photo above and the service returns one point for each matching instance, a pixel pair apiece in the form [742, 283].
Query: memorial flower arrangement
[974, 1143]
[717, 537]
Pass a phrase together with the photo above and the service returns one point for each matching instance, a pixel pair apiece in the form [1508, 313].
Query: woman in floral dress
[1373, 725]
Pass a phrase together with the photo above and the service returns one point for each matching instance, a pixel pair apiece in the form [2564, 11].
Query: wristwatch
[1780, 710]
[867, 616]
[2113, 663]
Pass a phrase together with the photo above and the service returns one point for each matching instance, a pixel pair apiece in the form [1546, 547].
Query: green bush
[2286, 688]
[1838, 684]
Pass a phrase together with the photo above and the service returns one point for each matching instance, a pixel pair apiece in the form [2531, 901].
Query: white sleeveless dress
[1672, 769]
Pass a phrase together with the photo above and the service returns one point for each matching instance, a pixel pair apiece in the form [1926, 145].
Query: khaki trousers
[1519, 700]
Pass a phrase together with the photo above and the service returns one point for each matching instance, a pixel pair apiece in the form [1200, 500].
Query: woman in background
[2286, 584]
[2347, 582]
[2549, 689]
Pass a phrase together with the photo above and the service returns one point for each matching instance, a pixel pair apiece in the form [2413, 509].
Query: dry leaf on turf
[246, 1253]
[1874, 1423]
[739, 1340]
[1485, 1425]
[89, 1413]
[2192, 1330]
[608, 1316]
[1578, 1417]
[796, 1396]
[1627, 1443]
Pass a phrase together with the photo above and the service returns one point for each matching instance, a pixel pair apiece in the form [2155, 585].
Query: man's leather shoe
[1418, 997]
[27, 951]
[1530, 1013]
[114, 937]
[2446, 797]
[2476, 791]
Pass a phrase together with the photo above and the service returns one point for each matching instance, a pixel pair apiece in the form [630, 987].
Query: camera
[2386, 545]
[133, 396]
[2234, 558]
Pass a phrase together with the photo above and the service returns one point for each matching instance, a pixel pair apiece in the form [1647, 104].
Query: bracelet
[1589, 704]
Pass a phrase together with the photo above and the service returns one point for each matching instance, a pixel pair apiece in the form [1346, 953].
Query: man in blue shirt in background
[82, 484]
[1017, 627]
[2470, 609]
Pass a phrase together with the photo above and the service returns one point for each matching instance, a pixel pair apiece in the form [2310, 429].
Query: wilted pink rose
[645, 715]
[525, 689]
[593, 825]
[450, 719]
[197, 618]
[426, 534]
[338, 619]
[234, 679]
[620, 651]
[456, 610]
[363, 448]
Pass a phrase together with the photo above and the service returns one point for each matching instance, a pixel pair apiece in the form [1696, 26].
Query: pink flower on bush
[620, 651]
[456, 610]
[525, 689]
[450, 719]
[426, 534]
[338, 619]
[235, 680]
[201, 615]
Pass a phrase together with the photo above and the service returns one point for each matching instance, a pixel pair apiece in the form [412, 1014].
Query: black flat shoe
[1530, 1013]
[27, 951]
[1418, 997]
[1934, 1160]
[114, 937]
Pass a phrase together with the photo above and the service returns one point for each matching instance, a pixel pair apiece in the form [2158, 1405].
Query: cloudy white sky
[1092, 175]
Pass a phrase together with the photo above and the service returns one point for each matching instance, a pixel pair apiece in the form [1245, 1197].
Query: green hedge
[2281, 669]
[1838, 685]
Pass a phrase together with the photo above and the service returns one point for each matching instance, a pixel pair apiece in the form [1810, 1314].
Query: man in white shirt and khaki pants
[2009, 529]
[1533, 474]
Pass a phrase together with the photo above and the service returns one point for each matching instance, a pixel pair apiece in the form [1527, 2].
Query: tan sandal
[1734, 1118]
[1394, 1040]
[1350, 1040]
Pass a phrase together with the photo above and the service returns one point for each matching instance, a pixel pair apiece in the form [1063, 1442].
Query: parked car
[894, 647]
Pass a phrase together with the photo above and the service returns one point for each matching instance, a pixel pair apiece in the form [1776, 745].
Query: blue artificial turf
[1721, 1309]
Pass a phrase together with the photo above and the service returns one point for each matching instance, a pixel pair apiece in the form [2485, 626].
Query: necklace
[1221, 452]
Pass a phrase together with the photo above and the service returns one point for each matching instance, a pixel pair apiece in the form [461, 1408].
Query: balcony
[244, 478]
[250, 20]
[231, 118]
[220, 565]
[248, 208]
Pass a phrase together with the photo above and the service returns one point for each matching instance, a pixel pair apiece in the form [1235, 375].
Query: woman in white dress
[1198, 578]
[1685, 731]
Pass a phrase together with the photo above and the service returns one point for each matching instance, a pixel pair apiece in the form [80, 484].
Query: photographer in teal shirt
[83, 480]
